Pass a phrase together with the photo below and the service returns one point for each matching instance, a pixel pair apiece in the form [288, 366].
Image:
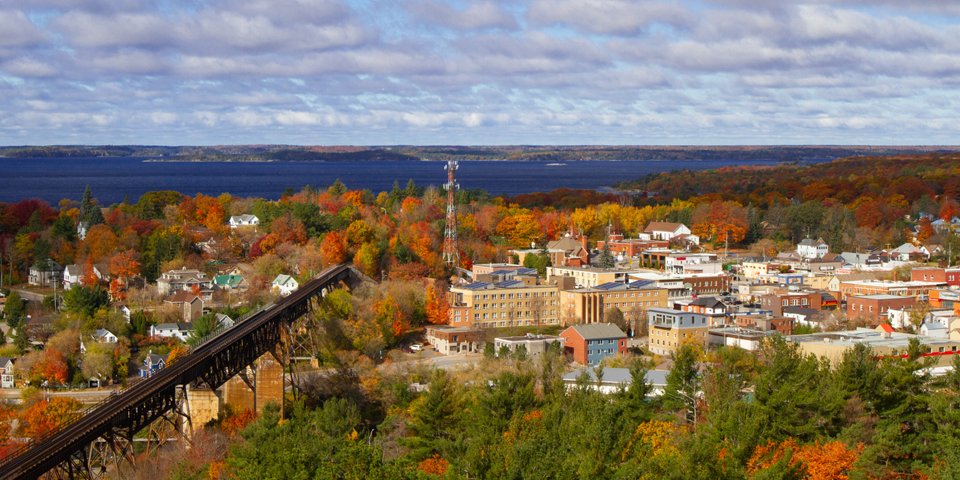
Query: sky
[479, 72]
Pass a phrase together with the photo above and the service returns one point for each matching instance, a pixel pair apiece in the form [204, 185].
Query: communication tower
[451, 247]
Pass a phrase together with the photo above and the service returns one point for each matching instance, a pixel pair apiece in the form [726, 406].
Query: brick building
[950, 276]
[877, 306]
[886, 287]
[776, 302]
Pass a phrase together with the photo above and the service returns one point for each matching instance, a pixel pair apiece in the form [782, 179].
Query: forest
[726, 413]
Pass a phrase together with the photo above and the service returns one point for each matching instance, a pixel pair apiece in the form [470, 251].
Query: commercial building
[950, 276]
[669, 328]
[876, 307]
[776, 302]
[451, 340]
[882, 340]
[887, 287]
[630, 247]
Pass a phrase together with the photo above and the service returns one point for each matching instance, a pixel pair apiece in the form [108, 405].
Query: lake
[112, 178]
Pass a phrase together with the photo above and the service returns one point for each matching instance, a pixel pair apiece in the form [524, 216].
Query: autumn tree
[333, 249]
[47, 416]
[437, 307]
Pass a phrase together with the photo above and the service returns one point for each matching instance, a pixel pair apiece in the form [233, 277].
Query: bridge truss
[104, 436]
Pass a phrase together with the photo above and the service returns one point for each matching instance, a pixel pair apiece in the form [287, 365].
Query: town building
[284, 285]
[590, 276]
[776, 302]
[809, 248]
[482, 268]
[882, 340]
[669, 328]
[692, 263]
[152, 364]
[189, 304]
[575, 253]
[706, 284]
[616, 379]
[535, 345]
[766, 322]
[244, 221]
[804, 316]
[452, 340]
[950, 276]
[630, 247]
[667, 231]
[888, 287]
[183, 280]
[876, 306]
[590, 305]
[589, 344]
[180, 330]
[735, 336]
[505, 304]
[715, 310]
[8, 372]
[45, 273]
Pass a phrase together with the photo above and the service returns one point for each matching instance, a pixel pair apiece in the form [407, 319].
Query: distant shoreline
[546, 154]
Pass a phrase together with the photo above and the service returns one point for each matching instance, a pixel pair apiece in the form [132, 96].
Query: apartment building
[504, 304]
[589, 276]
[590, 305]
[877, 307]
[670, 328]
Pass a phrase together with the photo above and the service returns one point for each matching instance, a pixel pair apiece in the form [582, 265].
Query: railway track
[212, 361]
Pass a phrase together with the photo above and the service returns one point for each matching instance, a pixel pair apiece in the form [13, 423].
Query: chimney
[583, 241]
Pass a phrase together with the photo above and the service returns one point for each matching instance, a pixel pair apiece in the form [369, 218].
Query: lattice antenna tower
[451, 247]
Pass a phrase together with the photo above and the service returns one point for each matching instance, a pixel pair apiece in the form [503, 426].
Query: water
[110, 179]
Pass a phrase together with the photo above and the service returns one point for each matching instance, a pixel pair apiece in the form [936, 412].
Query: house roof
[709, 302]
[662, 227]
[5, 360]
[72, 270]
[886, 327]
[174, 326]
[592, 331]
[933, 326]
[243, 218]
[153, 358]
[567, 244]
[283, 279]
[804, 311]
[231, 280]
[182, 296]
[656, 378]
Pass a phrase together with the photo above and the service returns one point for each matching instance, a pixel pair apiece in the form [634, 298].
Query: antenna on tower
[451, 247]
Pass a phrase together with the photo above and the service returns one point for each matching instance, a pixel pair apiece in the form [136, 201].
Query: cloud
[478, 71]
[16, 30]
[477, 16]
[612, 17]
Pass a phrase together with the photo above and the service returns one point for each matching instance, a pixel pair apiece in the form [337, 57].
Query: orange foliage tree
[437, 307]
[722, 221]
[333, 249]
[47, 416]
[821, 461]
[434, 466]
[53, 367]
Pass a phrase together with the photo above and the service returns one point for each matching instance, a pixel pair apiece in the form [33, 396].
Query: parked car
[416, 347]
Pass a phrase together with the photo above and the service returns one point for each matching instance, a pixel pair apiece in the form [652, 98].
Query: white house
[244, 221]
[101, 335]
[285, 284]
[7, 372]
[179, 330]
[934, 329]
[665, 230]
[809, 248]
[907, 253]
[73, 274]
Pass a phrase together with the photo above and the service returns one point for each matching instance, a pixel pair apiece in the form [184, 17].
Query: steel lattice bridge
[104, 435]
